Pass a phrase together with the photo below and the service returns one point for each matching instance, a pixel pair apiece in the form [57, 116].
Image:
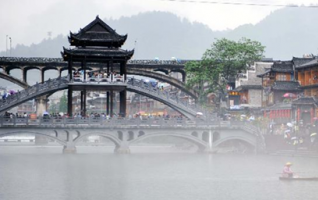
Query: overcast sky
[29, 21]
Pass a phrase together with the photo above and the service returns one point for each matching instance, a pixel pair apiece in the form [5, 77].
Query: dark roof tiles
[282, 66]
[298, 62]
[305, 100]
[286, 85]
[97, 33]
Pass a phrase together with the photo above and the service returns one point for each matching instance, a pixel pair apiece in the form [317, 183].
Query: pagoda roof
[286, 86]
[97, 33]
[79, 53]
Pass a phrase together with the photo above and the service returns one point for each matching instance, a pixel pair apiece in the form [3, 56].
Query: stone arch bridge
[124, 132]
[134, 85]
[156, 69]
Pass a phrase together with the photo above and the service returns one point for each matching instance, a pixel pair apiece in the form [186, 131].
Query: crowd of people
[296, 134]
[97, 76]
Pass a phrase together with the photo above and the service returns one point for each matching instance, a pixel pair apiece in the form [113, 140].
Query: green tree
[63, 103]
[224, 60]
[53, 108]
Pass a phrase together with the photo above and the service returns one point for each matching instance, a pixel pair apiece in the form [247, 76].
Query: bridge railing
[117, 122]
[32, 91]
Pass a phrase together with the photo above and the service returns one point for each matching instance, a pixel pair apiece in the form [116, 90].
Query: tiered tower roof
[97, 33]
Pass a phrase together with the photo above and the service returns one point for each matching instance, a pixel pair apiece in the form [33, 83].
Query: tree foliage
[224, 60]
[63, 103]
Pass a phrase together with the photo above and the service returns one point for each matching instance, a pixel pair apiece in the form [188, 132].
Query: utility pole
[10, 45]
[6, 45]
[135, 53]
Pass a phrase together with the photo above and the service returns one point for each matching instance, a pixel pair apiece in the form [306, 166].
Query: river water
[44, 173]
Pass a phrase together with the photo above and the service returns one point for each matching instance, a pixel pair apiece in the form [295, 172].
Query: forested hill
[285, 33]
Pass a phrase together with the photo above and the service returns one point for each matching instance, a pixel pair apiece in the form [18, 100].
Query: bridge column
[60, 72]
[24, 75]
[41, 104]
[42, 76]
[184, 75]
[69, 102]
[122, 103]
[83, 103]
[107, 103]
[111, 103]
[123, 148]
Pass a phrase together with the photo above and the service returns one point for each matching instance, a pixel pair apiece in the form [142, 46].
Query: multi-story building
[289, 90]
[249, 86]
[305, 108]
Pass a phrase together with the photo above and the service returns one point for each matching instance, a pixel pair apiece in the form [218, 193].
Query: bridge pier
[123, 146]
[41, 105]
[122, 149]
[69, 148]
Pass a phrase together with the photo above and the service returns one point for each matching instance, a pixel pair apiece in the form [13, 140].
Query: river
[44, 173]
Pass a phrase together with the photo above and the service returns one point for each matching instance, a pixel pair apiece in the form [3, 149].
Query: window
[281, 77]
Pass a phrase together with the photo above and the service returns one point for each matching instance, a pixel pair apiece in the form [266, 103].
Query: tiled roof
[305, 100]
[309, 64]
[301, 61]
[97, 33]
[264, 73]
[282, 66]
[97, 52]
[286, 85]
[279, 106]
[248, 87]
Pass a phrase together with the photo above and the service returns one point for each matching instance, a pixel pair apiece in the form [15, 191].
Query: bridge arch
[177, 106]
[53, 85]
[50, 68]
[62, 142]
[13, 80]
[250, 141]
[201, 144]
[111, 137]
[27, 68]
[12, 67]
[161, 77]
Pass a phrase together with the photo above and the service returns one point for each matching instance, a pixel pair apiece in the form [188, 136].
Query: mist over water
[39, 173]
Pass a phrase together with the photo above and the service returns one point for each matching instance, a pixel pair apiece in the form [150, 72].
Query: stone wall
[251, 75]
[255, 97]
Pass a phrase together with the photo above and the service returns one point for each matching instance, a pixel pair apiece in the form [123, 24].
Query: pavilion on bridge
[97, 43]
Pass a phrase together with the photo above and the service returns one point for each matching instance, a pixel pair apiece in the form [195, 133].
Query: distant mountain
[164, 35]
[285, 33]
